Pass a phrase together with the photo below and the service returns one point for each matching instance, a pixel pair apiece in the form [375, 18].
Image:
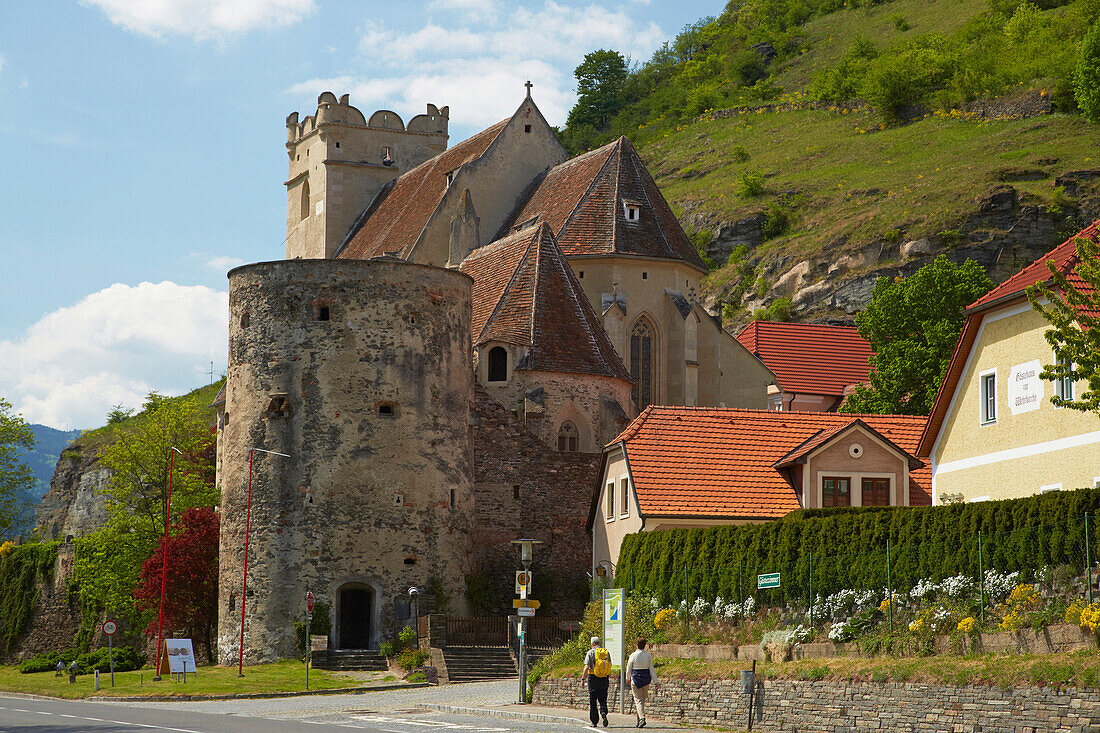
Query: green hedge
[848, 548]
[126, 659]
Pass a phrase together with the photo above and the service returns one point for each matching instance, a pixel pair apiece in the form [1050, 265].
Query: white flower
[700, 608]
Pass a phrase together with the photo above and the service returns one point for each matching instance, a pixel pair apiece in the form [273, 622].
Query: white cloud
[478, 67]
[224, 264]
[1, 62]
[201, 18]
[113, 347]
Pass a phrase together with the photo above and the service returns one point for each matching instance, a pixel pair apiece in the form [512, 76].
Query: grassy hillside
[875, 122]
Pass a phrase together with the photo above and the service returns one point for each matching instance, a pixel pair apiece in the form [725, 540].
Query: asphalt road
[381, 712]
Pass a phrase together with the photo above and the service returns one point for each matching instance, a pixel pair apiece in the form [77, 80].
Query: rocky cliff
[1005, 231]
[73, 505]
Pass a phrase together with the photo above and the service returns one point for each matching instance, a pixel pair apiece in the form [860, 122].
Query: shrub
[740, 154]
[750, 184]
[406, 639]
[747, 67]
[898, 81]
[321, 625]
[126, 659]
[900, 23]
[411, 659]
[702, 99]
[776, 221]
[1087, 76]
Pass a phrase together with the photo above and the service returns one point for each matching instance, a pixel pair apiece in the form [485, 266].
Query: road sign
[525, 603]
[768, 580]
[525, 612]
[309, 602]
[523, 581]
[109, 628]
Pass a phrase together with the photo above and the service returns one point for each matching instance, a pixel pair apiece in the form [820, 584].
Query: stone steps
[359, 660]
[477, 663]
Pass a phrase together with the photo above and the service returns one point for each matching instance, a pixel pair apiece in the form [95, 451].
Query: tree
[191, 587]
[913, 325]
[1087, 78]
[1074, 314]
[107, 566]
[16, 479]
[600, 78]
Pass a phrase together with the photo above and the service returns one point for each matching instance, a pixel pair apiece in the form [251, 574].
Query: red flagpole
[244, 575]
[164, 559]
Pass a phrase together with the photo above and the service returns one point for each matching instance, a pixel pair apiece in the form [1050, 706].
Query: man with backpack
[597, 669]
[640, 674]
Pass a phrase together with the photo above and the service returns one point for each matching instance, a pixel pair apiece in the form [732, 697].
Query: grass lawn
[1076, 669]
[285, 676]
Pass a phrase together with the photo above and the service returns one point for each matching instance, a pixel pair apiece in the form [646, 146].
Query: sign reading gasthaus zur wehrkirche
[1025, 387]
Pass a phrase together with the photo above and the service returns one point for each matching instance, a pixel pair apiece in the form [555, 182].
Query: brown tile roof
[397, 217]
[809, 358]
[525, 293]
[1065, 260]
[582, 201]
[1063, 257]
[721, 462]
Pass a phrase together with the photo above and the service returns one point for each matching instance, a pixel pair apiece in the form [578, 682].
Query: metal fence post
[981, 576]
[1088, 558]
[810, 611]
[889, 588]
[687, 601]
[740, 566]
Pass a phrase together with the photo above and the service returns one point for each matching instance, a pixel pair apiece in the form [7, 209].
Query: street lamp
[244, 575]
[526, 555]
[164, 552]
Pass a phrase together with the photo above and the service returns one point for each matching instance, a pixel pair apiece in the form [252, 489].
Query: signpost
[768, 580]
[109, 628]
[309, 642]
[613, 611]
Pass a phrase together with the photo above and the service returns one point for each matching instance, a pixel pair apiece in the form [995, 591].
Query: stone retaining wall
[799, 707]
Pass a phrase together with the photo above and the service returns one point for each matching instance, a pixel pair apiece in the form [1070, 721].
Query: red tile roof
[809, 358]
[396, 218]
[827, 434]
[1065, 260]
[525, 293]
[582, 201]
[1063, 257]
[720, 462]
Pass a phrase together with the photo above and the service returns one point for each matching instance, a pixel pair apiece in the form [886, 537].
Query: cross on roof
[528, 85]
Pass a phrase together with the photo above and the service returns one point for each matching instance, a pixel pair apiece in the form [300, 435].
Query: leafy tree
[16, 479]
[1087, 78]
[191, 587]
[600, 79]
[913, 325]
[107, 565]
[1074, 315]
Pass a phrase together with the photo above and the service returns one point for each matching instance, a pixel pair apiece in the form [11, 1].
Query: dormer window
[450, 178]
[632, 210]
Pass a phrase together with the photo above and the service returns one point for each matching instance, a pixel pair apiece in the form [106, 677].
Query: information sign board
[177, 654]
[525, 611]
[613, 608]
[1025, 387]
[767, 580]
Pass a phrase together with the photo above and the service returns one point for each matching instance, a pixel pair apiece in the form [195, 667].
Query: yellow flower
[967, 625]
[664, 618]
[6, 548]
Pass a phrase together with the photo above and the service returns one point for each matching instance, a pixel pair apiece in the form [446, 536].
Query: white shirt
[641, 659]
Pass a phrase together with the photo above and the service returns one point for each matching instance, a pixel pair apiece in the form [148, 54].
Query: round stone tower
[360, 372]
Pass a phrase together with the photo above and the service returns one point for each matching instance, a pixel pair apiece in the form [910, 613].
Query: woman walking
[640, 672]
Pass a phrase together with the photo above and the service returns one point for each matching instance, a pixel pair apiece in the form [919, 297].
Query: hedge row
[126, 658]
[848, 548]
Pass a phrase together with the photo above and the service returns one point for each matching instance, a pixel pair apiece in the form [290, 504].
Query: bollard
[72, 672]
[96, 671]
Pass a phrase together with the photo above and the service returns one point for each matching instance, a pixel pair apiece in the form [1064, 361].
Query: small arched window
[498, 364]
[305, 198]
[567, 437]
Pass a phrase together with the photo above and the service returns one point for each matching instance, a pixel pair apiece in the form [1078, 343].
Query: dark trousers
[597, 693]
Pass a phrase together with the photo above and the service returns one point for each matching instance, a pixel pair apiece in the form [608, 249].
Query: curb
[206, 698]
[513, 715]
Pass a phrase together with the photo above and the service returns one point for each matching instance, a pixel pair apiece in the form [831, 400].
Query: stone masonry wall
[525, 488]
[833, 707]
[370, 399]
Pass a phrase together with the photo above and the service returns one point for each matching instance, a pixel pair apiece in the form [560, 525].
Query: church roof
[396, 218]
[810, 358]
[525, 293]
[583, 201]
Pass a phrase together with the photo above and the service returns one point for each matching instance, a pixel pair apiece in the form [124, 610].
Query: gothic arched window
[641, 363]
[498, 364]
[567, 437]
[305, 198]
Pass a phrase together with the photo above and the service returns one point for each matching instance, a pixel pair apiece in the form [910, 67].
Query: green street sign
[768, 580]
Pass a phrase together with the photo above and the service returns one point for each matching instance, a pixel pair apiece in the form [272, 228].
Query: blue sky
[144, 155]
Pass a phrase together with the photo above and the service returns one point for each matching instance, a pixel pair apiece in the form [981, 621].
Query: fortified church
[452, 338]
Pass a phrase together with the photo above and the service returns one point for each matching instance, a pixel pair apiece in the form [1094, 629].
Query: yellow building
[994, 432]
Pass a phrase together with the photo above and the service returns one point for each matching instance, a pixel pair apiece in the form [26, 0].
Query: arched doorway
[355, 602]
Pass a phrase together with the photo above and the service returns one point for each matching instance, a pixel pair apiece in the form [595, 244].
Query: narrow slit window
[322, 313]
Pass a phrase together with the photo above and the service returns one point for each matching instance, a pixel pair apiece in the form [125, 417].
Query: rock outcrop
[74, 504]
